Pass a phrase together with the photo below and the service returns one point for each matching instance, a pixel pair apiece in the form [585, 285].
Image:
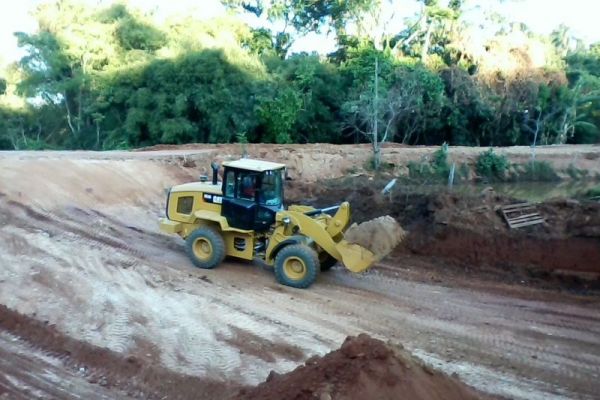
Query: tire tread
[218, 247]
[310, 258]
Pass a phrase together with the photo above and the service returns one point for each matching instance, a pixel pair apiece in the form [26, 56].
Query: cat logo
[213, 198]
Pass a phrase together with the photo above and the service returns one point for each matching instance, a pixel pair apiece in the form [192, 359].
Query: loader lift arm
[324, 231]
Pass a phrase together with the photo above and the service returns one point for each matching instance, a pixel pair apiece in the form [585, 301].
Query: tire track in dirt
[306, 310]
[516, 348]
[135, 292]
[19, 362]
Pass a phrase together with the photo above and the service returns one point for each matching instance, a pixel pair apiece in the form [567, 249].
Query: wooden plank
[517, 213]
[526, 219]
[521, 214]
[525, 216]
[534, 222]
[517, 205]
[520, 210]
[523, 223]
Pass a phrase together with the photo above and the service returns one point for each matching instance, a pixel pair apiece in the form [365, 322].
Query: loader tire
[326, 261]
[297, 265]
[205, 247]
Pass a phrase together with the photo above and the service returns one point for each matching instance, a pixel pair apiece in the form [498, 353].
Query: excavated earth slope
[82, 255]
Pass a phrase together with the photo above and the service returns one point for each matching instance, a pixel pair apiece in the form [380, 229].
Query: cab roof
[253, 165]
[204, 187]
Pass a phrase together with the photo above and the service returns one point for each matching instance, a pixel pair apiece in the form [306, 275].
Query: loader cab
[252, 193]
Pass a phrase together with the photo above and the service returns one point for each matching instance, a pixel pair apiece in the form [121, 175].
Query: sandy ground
[81, 250]
[27, 373]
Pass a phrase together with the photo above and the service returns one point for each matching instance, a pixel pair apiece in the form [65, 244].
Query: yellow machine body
[192, 206]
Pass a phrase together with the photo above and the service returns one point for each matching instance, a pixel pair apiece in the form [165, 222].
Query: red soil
[363, 368]
[470, 230]
[132, 374]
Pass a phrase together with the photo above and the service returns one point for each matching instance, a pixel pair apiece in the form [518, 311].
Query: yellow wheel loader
[244, 217]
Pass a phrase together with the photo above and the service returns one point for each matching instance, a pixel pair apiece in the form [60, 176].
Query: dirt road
[81, 250]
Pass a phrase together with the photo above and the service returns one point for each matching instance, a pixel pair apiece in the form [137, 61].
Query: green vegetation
[541, 171]
[593, 192]
[576, 173]
[435, 169]
[115, 78]
[492, 166]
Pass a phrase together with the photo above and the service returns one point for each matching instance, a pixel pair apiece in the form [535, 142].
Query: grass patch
[539, 171]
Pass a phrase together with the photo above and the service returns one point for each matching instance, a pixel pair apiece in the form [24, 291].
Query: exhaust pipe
[215, 169]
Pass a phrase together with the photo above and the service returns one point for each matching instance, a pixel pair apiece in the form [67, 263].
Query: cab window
[271, 191]
[230, 184]
[246, 187]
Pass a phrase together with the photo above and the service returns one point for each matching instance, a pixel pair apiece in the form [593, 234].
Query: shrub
[435, 169]
[419, 170]
[538, 171]
[576, 173]
[593, 192]
[491, 165]
[439, 163]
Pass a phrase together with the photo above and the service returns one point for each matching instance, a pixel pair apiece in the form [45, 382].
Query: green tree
[400, 101]
[299, 17]
[318, 87]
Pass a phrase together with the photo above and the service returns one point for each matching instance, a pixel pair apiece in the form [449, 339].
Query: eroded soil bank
[470, 230]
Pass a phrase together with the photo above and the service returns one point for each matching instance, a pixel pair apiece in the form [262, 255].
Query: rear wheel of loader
[297, 266]
[205, 247]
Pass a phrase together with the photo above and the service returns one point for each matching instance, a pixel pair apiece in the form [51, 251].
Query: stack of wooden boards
[521, 214]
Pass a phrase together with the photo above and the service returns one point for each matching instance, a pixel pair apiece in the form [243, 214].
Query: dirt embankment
[469, 230]
[363, 368]
[81, 250]
[314, 162]
[472, 231]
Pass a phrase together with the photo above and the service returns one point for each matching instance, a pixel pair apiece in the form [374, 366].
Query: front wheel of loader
[205, 247]
[297, 266]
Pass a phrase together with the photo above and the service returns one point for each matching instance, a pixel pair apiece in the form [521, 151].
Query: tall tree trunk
[376, 145]
[79, 109]
[69, 121]
[97, 134]
[23, 132]
[535, 136]
[427, 42]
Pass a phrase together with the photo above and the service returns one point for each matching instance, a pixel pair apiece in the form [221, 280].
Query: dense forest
[114, 77]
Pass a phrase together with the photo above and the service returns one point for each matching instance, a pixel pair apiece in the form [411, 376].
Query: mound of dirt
[363, 368]
[380, 235]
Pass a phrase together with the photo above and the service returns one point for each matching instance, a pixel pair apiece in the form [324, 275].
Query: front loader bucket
[356, 258]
